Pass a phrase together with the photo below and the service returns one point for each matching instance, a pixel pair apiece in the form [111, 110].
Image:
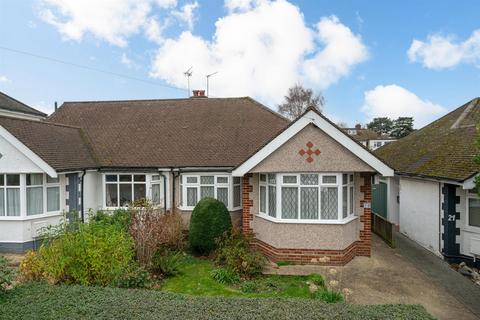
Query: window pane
[272, 179]
[289, 203]
[236, 180]
[207, 192]
[272, 201]
[125, 177]
[13, 202]
[139, 178]
[345, 201]
[222, 179]
[309, 179]
[52, 180]
[191, 197]
[156, 177]
[125, 194]
[309, 203]
[34, 179]
[2, 201]
[34, 201]
[222, 195]
[351, 177]
[263, 177]
[111, 195]
[474, 212]
[263, 199]
[289, 179]
[53, 199]
[111, 178]
[13, 179]
[329, 203]
[236, 196]
[329, 179]
[139, 191]
[344, 178]
[351, 201]
[156, 194]
[206, 180]
[2, 180]
[192, 179]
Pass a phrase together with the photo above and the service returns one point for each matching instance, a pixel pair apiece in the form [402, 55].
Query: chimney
[358, 126]
[56, 106]
[198, 94]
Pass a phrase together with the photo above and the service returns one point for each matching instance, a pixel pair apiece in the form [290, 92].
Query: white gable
[312, 117]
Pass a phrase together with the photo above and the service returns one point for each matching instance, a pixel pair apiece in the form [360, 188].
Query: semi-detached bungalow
[303, 188]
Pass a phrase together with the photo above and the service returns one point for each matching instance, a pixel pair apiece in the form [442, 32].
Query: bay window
[9, 195]
[222, 187]
[307, 197]
[123, 189]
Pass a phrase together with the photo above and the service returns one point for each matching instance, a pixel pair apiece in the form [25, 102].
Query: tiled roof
[11, 104]
[443, 149]
[193, 132]
[62, 147]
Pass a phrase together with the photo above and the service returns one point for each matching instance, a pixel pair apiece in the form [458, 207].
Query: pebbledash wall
[326, 244]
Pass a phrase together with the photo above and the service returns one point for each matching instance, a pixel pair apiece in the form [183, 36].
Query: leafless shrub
[152, 228]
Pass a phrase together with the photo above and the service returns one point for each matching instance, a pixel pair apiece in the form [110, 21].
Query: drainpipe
[174, 175]
[82, 213]
[164, 191]
[440, 213]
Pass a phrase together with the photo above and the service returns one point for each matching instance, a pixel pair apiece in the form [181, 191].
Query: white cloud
[187, 14]
[4, 79]
[441, 52]
[129, 63]
[112, 21]
[394, 101]
[261, 52]
[238, 5]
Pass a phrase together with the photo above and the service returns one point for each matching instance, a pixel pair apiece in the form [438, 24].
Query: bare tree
[342, 124]
[298, 100]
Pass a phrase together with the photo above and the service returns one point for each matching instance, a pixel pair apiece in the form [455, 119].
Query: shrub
[210, 219]
[153, 228]
[30, 267]
[7, 274]
[249, 286]
[98, 253]
[329, 296]
[225, 276]
[120, 218]
[235, 253]
[135, 277]
[166, 262]
[317, 279]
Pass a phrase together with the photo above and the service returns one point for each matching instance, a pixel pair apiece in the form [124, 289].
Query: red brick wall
[247, 204]
[365, 245]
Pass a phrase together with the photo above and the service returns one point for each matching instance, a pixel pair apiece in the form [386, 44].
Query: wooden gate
[380, 225]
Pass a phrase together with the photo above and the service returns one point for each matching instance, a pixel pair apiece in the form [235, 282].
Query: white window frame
[23, 196]
[216, 185]
[470, 195]
[147, 183]
[280, 184]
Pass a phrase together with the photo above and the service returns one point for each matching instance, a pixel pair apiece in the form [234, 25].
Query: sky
[367, 58]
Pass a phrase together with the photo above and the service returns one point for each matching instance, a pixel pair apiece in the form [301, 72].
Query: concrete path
[406, 274]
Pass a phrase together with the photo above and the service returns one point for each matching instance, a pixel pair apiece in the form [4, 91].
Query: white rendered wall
[19, 231]
[393, 205]
[420, 212]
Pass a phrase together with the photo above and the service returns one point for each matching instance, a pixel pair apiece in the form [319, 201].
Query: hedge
[42, 301]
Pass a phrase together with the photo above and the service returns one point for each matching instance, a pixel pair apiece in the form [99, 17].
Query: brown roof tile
[62, 147]
[11, 104]
[196, 132]
[443, 149]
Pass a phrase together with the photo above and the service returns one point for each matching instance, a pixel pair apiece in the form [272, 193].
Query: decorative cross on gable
[309, 152]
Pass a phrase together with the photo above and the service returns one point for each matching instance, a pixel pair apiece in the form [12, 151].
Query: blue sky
[369, 58]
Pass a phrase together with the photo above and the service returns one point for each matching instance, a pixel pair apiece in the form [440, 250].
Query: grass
[42, 301]
[195, 278]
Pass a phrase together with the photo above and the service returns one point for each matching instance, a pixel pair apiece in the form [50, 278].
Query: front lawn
[42, 301]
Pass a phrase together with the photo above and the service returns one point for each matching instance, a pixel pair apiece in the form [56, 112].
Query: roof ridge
[465, 112]
[261, 105]
[23, 104]
[147, 100]
[41, 121]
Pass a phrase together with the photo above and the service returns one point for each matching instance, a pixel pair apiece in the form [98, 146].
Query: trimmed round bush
[210, 219]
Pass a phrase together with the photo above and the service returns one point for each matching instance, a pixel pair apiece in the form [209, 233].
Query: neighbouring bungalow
[302, 188]
[432, 197]
[369, 138]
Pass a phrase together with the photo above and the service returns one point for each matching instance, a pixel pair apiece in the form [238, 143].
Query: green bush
[235, 253]
[225, 276]
[98, 253]
[317, 279]
[329, 296]
[120, 217]
[166, 262]
[249, 286]
[7, 274]
[210, 219]
[136, 277]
